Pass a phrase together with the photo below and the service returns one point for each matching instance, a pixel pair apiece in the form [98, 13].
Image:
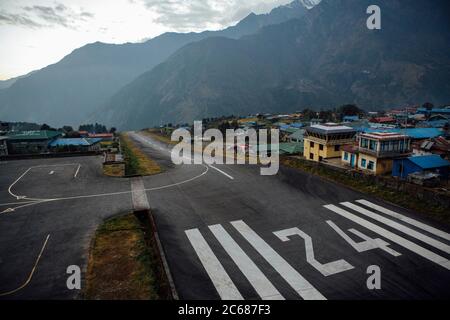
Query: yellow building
[325, 141]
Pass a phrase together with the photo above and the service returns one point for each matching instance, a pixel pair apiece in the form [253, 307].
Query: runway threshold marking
[423, 252]
[222, 172]
[257, 279]
[397, 226]
[408, 220]
[305, 289]
[31, 273]
[219, 277]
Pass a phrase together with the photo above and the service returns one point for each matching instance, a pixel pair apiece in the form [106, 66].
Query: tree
[46, 127]
[113, 130]
[428, 106]
[350, 110]
[309, 114]
[67, 129]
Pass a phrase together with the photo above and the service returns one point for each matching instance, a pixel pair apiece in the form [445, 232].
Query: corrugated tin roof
[330, 129]
[79, 142]
[291, 148]
[299, 134]
[429, 162]
[416, 133]
[33, 135]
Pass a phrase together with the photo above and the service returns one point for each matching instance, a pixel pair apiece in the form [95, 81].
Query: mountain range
[69, 91]
[300, 55]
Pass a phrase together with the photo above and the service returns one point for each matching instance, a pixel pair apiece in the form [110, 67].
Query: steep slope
[64, 93]
[68, 91]
[326, 59]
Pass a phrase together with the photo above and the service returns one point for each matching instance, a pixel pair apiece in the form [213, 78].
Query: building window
[320, 158]
[346, 156]
[311, 144]
[364, 143]
[373, 145]
[311, 156]
[321, 147]
[371, 165]
[363, 163]
[337, 148]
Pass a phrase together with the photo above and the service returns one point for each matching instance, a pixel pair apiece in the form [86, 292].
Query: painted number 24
[338, 266]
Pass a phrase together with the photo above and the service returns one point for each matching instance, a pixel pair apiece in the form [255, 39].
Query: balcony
[385, 154]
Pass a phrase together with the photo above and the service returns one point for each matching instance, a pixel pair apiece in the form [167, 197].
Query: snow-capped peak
[309, 4]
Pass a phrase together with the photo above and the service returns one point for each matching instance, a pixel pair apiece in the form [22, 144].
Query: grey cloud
[46, 16]
[197, 14]
[17, 19]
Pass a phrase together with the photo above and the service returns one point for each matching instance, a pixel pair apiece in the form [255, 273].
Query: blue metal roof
[429, 162]
[81, 142]
[297, 125]
[416, 133]
[351, 118]
[434, 111]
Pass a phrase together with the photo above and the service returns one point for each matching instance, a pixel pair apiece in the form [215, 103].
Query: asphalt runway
[218, 233]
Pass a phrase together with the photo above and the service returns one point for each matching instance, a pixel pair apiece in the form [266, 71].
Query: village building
[323, 142]
[424, 165]
[104, 136]
[31, 142]
[376, 151]
[75, 145]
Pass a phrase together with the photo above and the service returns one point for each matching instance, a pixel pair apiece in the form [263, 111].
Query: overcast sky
[36, 33]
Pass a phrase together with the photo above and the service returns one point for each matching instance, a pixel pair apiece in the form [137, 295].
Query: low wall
[49, 155]
[167, 290]
[428, 195]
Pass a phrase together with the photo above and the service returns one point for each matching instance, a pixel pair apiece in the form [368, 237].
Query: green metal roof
[34, 135]
[298, 135]
[290, 130]
[291, 148]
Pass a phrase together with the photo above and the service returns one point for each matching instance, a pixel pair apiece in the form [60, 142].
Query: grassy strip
[120, 265]
[155, 134]
[402, 199]
[137, 163]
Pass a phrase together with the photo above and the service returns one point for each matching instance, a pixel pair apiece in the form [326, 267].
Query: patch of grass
[400, 198]
[113, 170]
[120, 264]
[137, 162]
[155, 134]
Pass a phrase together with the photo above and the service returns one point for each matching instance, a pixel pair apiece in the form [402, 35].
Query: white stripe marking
[219, 277]
[257, 279]
[425, 253]
[222, 172]
[295, 279]
[78, 170]
[13, 184]
[51, 172]
[419, 236]
[403, 218]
